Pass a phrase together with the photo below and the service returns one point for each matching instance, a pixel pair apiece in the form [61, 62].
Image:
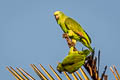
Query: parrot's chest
[63, 27]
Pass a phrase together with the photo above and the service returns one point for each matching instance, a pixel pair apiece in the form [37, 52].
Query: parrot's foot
[71, 44]
[75, 49]
[65, 35]
[69, 41]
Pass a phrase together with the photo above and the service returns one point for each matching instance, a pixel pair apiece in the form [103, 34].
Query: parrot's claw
[73, 44]
[65, 35]
[69, 42]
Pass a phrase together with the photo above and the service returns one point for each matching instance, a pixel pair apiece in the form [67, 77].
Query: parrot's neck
[61, 22]
[62, 19]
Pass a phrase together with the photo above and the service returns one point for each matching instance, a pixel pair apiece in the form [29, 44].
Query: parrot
[73, 29]
[73, 61]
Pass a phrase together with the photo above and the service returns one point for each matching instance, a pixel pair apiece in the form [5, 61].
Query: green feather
[73, 61]
[73, 29]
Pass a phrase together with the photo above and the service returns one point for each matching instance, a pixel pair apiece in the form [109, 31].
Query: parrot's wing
[85, 52]
[76, 28]
[72, 59]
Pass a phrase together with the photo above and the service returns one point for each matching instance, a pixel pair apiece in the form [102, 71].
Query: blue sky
[30, 35]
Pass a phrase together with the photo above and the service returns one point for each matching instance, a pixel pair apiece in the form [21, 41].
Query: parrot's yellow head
[58, 15]
[59, 68]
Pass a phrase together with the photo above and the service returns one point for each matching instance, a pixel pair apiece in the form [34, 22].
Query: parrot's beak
[56, 17]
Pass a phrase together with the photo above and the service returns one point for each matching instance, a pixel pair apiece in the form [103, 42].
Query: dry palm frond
[116, 72]
[90, 66]
[24, 75]
[21, 74]
[117, 77]
[79, 75]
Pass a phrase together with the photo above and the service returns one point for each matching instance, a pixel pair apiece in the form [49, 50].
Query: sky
[29, 33]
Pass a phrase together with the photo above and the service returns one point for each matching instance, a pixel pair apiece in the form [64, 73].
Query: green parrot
[73, 61]
[73, 29]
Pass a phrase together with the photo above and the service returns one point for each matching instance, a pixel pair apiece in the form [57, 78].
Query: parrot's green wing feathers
[73, 25]
[71, 59]
[76, 28]
[88, 37]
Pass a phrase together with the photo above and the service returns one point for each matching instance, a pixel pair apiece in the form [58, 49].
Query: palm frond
[90, 69]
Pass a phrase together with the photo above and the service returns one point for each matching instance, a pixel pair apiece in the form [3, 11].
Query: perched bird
[73, 61]
[73, 29]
